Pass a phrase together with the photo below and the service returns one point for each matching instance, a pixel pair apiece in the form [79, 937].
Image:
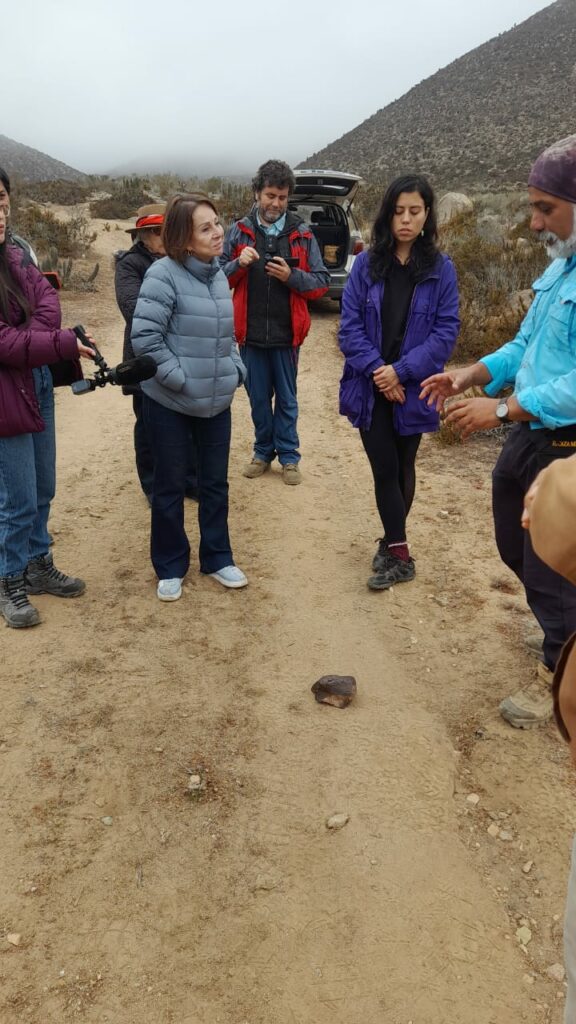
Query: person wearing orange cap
[131, 266]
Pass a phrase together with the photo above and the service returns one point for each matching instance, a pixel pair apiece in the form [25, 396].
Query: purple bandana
[555, 170]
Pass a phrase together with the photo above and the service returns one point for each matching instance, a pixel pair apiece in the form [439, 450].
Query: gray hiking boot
[394, 570]
[14, 603]
[42, 577]
[532, 705]
[380, 560]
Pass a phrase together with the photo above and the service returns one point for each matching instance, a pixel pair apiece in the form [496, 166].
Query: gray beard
[559, 248]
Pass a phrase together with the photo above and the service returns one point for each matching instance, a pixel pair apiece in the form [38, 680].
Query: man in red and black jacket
[273, 263]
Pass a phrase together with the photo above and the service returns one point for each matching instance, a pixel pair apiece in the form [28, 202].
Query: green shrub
[64, 193]
[126, 195]
[491, 269]
[46, 232]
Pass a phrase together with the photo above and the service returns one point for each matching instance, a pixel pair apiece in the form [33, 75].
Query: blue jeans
[27, 486]
[272, 374]
[169, 434]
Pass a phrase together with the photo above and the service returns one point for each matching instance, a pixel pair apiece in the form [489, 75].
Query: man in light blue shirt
[539, 364]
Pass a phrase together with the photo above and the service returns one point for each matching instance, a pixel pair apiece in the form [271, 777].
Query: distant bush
[70, 277]
[64, 193]
[492, 268]
[126, 195]
[46, 232]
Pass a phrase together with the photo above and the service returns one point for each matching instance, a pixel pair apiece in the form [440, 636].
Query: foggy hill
[479, 122]
[32, 165]
[184, 166]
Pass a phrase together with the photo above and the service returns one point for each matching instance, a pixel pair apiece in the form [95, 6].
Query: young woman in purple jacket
[399, 319]
[30, 340]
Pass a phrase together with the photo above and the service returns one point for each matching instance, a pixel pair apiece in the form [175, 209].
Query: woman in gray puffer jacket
[184, 320]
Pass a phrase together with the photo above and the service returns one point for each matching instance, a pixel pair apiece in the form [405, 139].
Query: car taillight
[358, 247]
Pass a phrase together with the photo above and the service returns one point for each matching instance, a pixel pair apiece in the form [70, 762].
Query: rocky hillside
[30, 165]
[478, 123]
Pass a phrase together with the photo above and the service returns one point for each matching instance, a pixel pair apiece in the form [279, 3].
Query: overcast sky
[226, 84]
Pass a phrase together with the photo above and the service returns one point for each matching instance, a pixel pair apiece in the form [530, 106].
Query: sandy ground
[137, 904]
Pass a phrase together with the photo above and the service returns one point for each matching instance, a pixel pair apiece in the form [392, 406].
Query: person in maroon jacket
[30, 340]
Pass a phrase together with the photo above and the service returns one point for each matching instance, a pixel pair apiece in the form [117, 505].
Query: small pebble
[14, 938]
[336, 821]
[524, 935]
[196, 784]
[473, 799]
[556, 972]
[527, 867]
[493, 831]
[107, 820]
[505, 836]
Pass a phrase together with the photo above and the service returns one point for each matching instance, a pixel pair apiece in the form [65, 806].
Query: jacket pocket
[561, 322]
[354, 397]
[171, 376]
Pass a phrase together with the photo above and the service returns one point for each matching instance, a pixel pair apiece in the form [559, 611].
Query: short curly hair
[275, 173]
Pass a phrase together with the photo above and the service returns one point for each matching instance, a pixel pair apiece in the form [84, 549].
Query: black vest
[269, 317]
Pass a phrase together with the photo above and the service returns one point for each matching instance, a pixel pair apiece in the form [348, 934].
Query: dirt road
[136, 903]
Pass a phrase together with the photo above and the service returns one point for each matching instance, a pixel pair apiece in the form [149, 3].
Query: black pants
[392, 457]
[551, 598]
[145, 461]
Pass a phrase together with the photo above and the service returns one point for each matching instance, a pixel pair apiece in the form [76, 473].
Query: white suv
[323, 199]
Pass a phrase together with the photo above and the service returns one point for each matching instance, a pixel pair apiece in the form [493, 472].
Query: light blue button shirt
[273, 229]
[540, 362]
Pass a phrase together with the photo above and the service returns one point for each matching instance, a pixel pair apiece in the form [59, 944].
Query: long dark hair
[10, 290]
[382, 243]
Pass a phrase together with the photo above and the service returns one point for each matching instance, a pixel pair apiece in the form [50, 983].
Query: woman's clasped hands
[387, 381]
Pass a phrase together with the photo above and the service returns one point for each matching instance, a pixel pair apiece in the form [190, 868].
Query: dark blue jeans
[552, 599]
[169, 433]
[145, 461]
[272, 374]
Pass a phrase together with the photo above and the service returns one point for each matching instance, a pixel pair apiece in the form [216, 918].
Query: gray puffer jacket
[184, 320]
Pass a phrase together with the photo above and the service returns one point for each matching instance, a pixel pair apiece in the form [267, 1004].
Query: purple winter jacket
[429, 339]
[36, 343]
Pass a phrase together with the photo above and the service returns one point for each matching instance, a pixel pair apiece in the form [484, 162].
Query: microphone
[133, 371]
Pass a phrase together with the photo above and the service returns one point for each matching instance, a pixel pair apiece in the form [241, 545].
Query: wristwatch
[502, 411]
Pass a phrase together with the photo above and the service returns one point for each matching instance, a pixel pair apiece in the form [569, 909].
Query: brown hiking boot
[255, 468]
[532, 705]
[291, 474]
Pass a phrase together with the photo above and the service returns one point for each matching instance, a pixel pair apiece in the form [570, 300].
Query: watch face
[502, 411]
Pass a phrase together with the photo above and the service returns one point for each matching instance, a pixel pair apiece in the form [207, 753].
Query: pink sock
[400, 551]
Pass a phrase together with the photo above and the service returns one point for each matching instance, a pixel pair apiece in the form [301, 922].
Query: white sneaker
[230, 576]
[169, 590]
